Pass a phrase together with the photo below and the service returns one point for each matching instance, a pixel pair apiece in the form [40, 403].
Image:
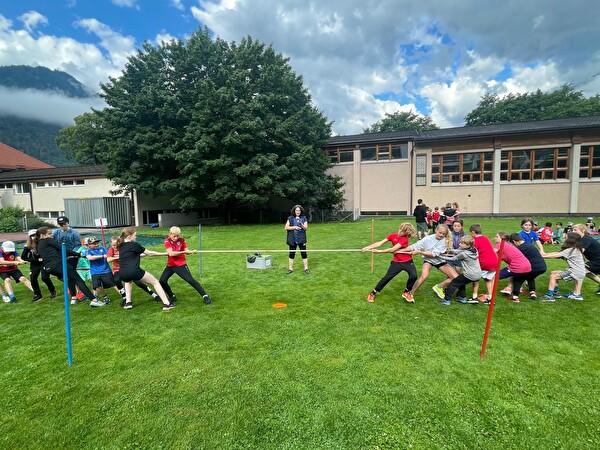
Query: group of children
[44, 254]
[557, 236]
[468, 258]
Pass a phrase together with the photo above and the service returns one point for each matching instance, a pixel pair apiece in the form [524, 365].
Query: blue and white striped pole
[66, 299]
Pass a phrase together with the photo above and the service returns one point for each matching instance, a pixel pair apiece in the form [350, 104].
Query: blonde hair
[448, 235]
[581, 227]
[175, 230]
[407, 229]
[468, 240]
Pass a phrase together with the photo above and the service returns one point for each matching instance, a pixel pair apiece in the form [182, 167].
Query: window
[589, 165]
[340, 155]
[45, 184]
[6, 185]
[384, 152]
[72, 182]
[421, 175]
[22, 188]
[462, 167]
[535, 164]
[48, 214]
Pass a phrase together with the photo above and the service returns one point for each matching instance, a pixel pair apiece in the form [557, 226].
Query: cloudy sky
[359, 59]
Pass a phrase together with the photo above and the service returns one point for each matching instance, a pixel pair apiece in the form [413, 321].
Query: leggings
[184, 273]
[119, 284]
[302, 250]
[35, 270]
[530, 278]
[394, 269]
[73, 279]
[457, 284]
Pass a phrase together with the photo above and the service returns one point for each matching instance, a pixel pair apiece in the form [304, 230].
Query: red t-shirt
[488, 259]
[403, 241]
[11, 256]
[111, 254]
[177, 246]
[546, 234]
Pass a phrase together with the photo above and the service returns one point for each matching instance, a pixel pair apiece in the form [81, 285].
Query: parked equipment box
[258, 262]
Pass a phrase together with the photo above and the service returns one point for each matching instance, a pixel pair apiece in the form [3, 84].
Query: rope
[280, 251]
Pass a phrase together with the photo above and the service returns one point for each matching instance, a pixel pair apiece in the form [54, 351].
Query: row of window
[377, 152]
[515, 165]
[24, 188]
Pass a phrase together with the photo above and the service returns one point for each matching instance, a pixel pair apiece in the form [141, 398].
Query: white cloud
[44, 106]
[163, 37]
[119, 47]
[178, 4]
[32, 19]
[126, 3]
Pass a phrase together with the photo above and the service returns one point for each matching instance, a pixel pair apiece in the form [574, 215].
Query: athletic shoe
[13, 298]
[574, 296]
[106, 300]
[472, 301]
[207, 299]
[5, 297]
[487, 302]
[439, 291]
[598, 291]
[445, 302]
[289, 271]
[547, 298]
[408, 297]
[515, 299]
[565, 295]
[532, 295]
[168, 307]
[127, 305]
[506, 291]
[371, 298]
[483, 298]
[462, 300]
[73, 300]
[96, 303]
[306, 271]
[36, 298]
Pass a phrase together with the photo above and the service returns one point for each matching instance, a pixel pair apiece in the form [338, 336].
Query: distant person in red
[488, 260]
[176, 264]
[546, 233]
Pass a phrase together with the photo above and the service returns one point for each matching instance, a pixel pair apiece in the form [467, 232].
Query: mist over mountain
[35, 103]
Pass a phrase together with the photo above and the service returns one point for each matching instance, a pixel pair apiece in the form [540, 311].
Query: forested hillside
[37, 139]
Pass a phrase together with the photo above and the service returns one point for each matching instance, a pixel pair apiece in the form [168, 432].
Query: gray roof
[540, 126]
[54, 173]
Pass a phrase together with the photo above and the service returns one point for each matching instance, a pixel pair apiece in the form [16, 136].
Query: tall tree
[402, 121]
[561, 103]
[210, 121]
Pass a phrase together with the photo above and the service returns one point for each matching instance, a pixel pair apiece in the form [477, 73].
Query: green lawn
[329, 371]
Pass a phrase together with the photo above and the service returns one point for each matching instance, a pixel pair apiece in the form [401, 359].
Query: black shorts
[593, 266]
[437, 266]
[134, 275]
[15, 274]
[105, 280]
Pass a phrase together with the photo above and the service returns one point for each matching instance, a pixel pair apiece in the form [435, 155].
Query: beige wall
[589, 197]
[471, 199]
[385, 186]
[8, 198]
[534, 198]
[52, 198]
[345, 171]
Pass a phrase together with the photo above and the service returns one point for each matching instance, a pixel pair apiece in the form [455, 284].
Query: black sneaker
[36, 298]
[207, 299]
[169, 307]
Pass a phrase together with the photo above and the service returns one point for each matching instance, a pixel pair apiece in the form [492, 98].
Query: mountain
[35, 138]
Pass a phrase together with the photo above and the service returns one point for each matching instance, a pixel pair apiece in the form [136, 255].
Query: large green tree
[402, 121]
[561, 103]
[210, 121]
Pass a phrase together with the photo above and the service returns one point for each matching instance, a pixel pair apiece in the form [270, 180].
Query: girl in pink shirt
[519, 266]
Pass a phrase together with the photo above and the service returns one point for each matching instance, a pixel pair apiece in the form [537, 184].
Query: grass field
[329, 371]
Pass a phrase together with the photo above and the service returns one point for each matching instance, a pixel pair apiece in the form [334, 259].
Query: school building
[549, 167]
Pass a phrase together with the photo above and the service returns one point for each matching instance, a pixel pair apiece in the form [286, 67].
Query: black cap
[62, 220]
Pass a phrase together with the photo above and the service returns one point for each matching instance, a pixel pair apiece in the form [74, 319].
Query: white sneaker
[97, 303]
[5, 298]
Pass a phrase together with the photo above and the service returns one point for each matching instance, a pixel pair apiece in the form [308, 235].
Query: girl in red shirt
[176, 264]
